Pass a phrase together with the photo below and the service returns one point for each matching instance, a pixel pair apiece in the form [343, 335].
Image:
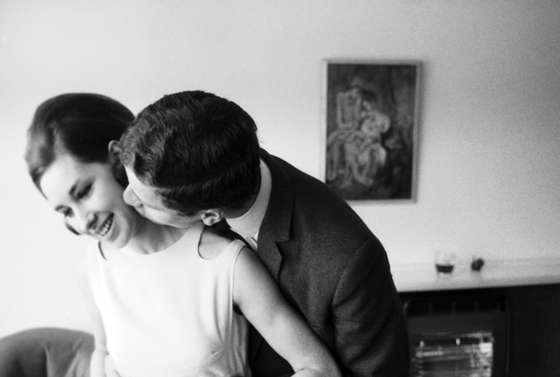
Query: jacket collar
[276, 225]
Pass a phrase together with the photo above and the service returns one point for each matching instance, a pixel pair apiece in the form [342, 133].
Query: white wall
[489, 160]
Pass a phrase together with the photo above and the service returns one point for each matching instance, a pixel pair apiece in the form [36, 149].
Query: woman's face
[90, 200]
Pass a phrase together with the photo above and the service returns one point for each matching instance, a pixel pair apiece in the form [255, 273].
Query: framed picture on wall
[370, 112]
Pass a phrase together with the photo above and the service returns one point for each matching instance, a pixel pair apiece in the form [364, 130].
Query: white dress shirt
[248, 224]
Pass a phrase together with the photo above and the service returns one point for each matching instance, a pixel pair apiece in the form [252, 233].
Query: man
[194, 150]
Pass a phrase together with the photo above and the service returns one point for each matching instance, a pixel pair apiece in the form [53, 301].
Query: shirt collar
[249, 223]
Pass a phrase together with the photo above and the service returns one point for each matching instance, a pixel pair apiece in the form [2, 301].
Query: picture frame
[370, 127]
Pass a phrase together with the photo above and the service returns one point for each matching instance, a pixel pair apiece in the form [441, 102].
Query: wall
[490, 123]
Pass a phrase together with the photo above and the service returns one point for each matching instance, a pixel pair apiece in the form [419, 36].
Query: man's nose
[128, 196]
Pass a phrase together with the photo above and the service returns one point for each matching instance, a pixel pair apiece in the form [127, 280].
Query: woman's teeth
[106, 226]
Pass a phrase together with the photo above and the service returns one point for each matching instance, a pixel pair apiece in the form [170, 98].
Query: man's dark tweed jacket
[335, 271]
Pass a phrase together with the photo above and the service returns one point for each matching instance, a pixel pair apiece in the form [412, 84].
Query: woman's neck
[155, 237]
[150, 238]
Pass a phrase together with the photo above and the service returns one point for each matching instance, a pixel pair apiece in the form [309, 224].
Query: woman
[168, 301]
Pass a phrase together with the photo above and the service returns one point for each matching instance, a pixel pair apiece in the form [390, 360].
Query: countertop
[494, 273]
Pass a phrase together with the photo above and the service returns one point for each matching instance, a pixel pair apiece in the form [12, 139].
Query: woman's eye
[71, 229]
[84, 191]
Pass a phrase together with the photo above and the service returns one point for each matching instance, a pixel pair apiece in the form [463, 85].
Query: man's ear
[114, 148]
[211, 216]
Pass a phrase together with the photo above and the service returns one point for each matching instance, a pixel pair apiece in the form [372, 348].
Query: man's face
[148, 202]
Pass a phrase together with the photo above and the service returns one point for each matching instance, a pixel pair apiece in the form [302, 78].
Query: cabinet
[528, 340]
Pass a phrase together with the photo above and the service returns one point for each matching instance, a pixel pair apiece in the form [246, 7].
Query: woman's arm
[101, 364]
[97, 362]
[258, 297]
[98, 366]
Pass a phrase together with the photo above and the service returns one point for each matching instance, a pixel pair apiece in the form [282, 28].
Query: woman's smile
[105, 226]
[90, 200]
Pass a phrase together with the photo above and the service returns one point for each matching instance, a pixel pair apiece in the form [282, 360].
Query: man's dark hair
[200, 150]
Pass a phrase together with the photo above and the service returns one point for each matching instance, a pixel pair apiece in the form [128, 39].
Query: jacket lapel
[275, 229]
[276, 224]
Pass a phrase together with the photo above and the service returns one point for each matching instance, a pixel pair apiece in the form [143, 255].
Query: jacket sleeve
[370, 329]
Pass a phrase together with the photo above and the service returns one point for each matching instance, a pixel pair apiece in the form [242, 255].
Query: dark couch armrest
[46, 352]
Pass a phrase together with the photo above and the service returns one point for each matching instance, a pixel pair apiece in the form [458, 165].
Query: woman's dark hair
[78, 124]
[223, 229]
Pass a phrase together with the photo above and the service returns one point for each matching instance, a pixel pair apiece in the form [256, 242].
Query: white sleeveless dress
[170, 313]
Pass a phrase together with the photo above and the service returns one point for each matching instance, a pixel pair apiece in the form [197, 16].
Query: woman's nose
[87, 222]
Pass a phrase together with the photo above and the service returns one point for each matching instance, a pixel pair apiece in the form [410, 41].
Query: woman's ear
[118, 169]
[211, 216]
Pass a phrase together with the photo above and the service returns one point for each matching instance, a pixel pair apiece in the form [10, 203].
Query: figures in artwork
[355, 149]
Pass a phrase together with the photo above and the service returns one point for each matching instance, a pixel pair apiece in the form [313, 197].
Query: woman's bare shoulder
[212, 244]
